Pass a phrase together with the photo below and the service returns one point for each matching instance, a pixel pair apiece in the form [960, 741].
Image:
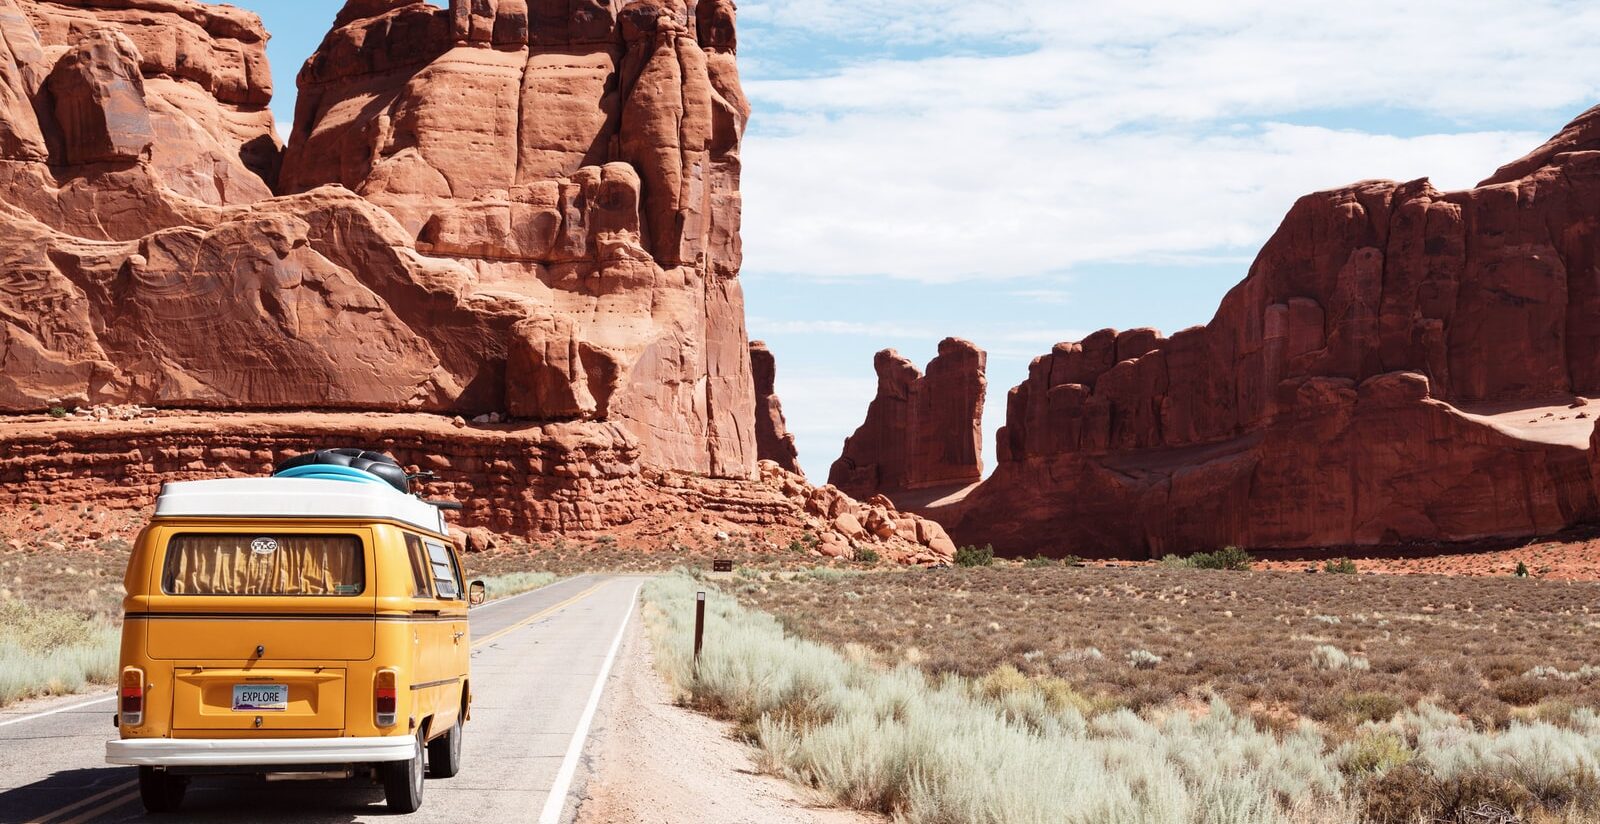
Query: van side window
[446, 581]
[421, 570]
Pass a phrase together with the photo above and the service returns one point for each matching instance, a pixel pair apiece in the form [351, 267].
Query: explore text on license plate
[260, 697]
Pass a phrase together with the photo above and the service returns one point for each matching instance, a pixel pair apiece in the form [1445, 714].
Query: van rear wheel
[402, 781]
[444, 753]
[161, 791]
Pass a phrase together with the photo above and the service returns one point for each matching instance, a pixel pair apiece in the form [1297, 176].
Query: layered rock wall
[1395, 368]
[573, 478]
[921, 431]
[539, 216]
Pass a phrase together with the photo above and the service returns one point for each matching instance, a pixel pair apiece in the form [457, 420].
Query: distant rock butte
[922, 431]
[533, 210]
[773, 441]
[1396, 368]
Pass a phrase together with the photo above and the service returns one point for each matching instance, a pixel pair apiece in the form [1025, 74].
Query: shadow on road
[66, 796]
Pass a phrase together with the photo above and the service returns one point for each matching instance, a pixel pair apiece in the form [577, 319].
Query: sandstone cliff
[526, 214]
[922, 431]
[536, 213]
[1397, 367]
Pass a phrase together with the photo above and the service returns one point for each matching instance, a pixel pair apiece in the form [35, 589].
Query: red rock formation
[521, 479]
[921, 431]
[1395, 368]
[540, 215]
[773, 441]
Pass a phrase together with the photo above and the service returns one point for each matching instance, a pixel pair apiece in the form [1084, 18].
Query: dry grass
[1006, 747]
[1337, 649]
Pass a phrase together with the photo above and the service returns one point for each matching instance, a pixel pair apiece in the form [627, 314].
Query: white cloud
[1051, 134]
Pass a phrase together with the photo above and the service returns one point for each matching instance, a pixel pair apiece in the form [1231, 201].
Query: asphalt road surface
[538, 666]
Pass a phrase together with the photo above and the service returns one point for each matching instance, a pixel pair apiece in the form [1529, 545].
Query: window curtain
[243, 565]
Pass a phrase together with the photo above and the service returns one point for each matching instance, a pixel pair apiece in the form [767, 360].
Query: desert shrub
[1143, 659]
[1040, 561]
[1404, 795]
[1339, 566]
[1484, 797]
[1522, 570]
[1328, 657]
[974, 556]
[867, 555]
[1375, 751]
[1371, 706]
[1172, 561]
[1587, 672]
[1524, 691]
[1230, 558]
[58, 412]
[52, 652]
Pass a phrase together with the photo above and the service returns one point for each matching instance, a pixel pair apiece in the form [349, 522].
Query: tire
[402, 781]
[444, 753]
[161, 791]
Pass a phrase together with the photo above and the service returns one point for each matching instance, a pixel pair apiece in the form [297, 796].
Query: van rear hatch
[257, 624]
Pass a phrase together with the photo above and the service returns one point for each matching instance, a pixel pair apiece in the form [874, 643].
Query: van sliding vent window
[445, 580]
[264, 564]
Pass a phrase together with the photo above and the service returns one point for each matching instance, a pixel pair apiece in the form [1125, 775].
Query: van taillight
[385, 697]
[132, 707]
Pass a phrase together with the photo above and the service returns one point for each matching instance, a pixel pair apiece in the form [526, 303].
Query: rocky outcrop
[576, 478]
[773, 441]
[539, 216]
[1396, 367]
[922, 431]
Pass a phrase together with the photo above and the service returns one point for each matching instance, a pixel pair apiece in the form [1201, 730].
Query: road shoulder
[652, 762]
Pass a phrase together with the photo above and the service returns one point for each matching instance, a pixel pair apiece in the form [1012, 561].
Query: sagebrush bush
[1328, 657]
[1143, 659]
[1339, 566]
[1376, 750]
[52, 652]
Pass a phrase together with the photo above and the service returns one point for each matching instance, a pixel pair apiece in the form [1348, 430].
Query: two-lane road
[538, 665]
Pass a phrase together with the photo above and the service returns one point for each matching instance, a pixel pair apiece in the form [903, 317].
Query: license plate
[260, 697]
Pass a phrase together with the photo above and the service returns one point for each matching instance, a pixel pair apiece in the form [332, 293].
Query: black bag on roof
[377, 463]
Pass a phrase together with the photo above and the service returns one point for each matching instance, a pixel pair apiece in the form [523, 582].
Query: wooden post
[699, 626]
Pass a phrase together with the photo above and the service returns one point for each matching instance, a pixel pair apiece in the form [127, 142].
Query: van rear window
[264, 564]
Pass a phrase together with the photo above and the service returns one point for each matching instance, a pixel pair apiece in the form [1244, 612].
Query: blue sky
[1020, 172]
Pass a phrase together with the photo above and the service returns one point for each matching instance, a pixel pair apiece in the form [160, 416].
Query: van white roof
[296, 498]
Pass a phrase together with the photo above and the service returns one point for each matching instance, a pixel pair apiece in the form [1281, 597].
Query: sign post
[699, 626]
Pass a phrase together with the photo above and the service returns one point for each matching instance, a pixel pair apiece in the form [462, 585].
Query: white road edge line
[101, 700]
[557, 801]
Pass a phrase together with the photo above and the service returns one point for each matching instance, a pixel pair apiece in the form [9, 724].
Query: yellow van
[304, 626]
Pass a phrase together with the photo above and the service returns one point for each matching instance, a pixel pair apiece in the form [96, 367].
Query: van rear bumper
[258, 752]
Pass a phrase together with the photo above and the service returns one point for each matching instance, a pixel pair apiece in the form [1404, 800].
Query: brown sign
[721, 566]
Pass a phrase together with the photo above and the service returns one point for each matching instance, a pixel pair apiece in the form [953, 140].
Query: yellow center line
[81, 802]
[90, 815]
[537, 615]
